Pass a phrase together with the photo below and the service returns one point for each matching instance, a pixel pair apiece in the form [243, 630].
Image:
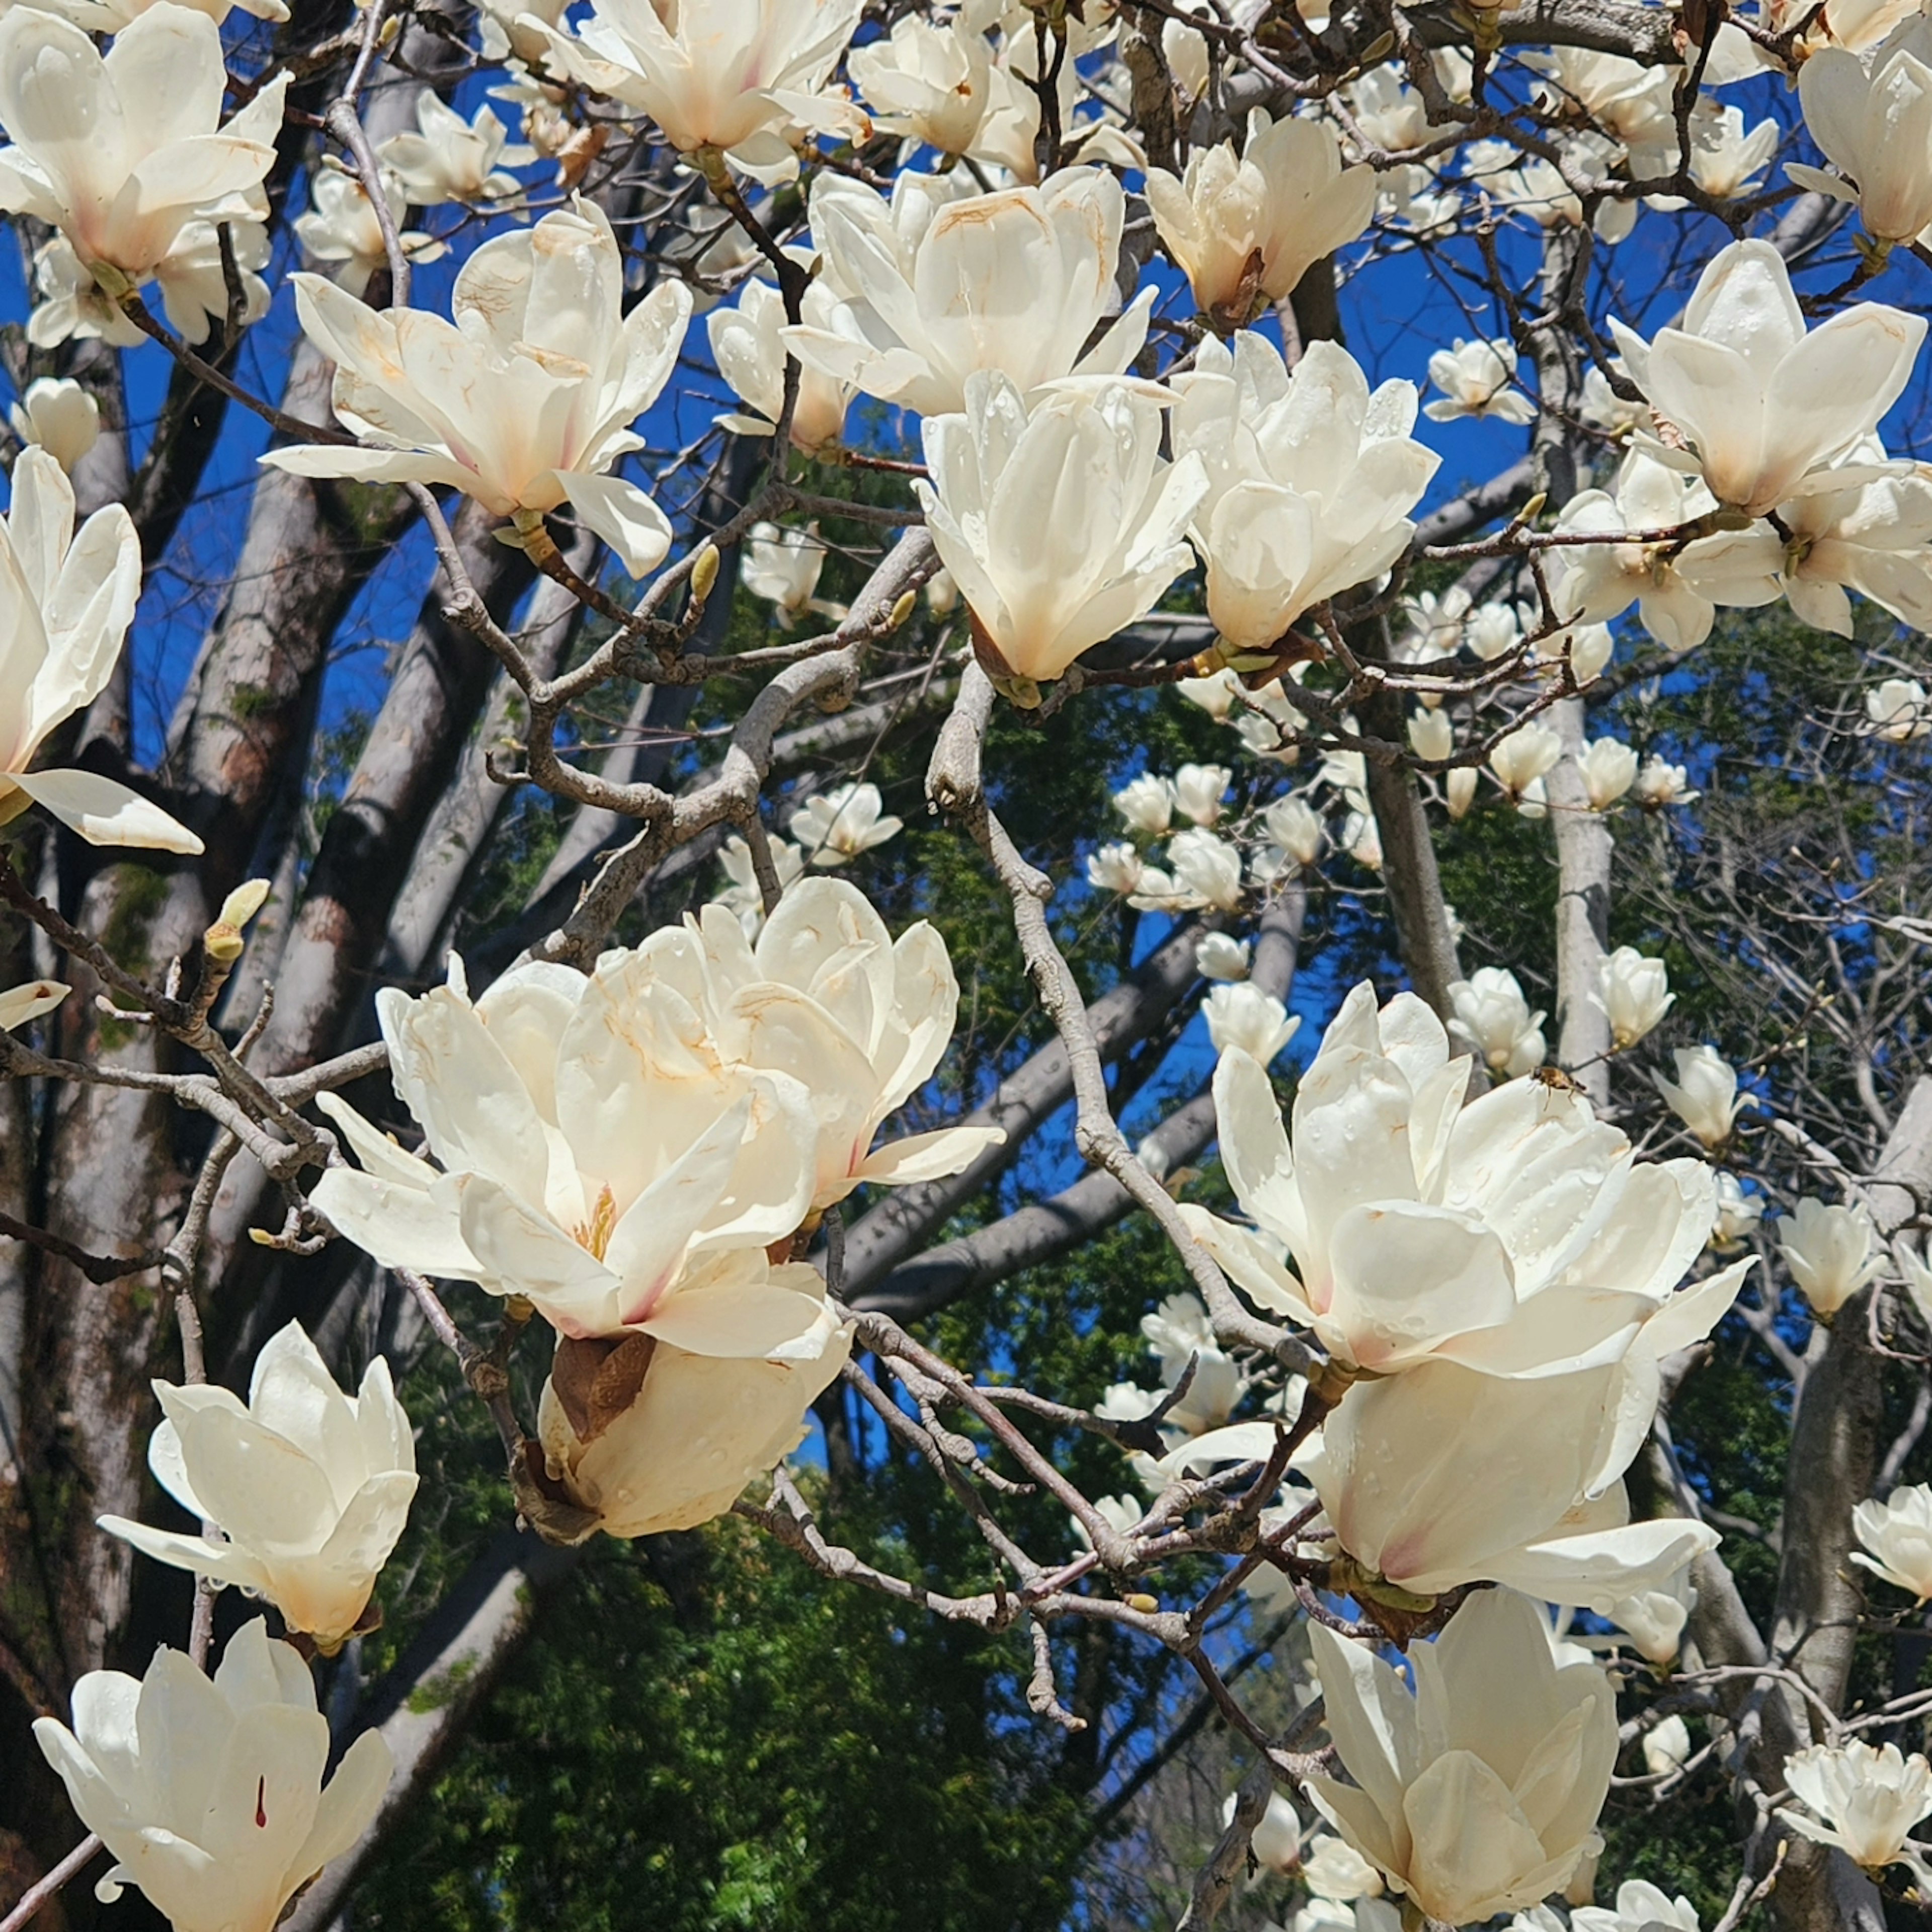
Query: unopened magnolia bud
[244, 903]
[1145, 1604]
[703, 572]
[908, 602]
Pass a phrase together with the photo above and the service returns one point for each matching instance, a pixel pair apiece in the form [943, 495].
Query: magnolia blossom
[1675, 587]
[60, 416]
[1478, 1793]
[1831, 1252]
[645, 1438]
[122, 153]
[1431, 734]
[1652, 1621]
[1737, 1213]
[1245, 1019]
[1868, 1798]
[1459, 790]
[1332, 1868]
[1705, 1094]
[1361, 837]
[621, 1147]
[936, 288]
[20, 1005]
[1872, 119]
[838, 825]
[310, 1488]
[1492, 1016]
[1505, 1267]
[1276, 1841]
[1659, 783]
[782, 565]
[1200, 789]
[450, 159]
[1492, 630]
[1586, 648]
[1897, 1537]
[743, 897]
[732, 76]
[1476, 379]
[1874, 536]
[1207, 870]
[341, 225]
[1180, 1334]
[1899, 710]
[1310, 479]
[1727, 159]
[210, 1794]
[1520, 760]
[1666, 1748]
[1296, 826]
[1146, 804]
[66, 601]
[1609, 768]
[1634, 992]
[524, 402]
[1221, 956]
[926, 82]
[1063, 526]
[1244, 229]
[1115, 868]
[748, 344]
[1749, 400]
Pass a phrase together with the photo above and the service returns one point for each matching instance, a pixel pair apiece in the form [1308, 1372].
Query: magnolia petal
[106, 812]
[638, 532]
[932, 1156]
[735, 1319]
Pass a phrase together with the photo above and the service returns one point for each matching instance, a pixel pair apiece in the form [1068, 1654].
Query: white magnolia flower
[942, 594]
[110, 17]
[525, 402]
[20, 1005]
[1361, 838]
[1705, 1094]
[1640, 1905]
[1897, 1537]
[648, 1438]
[1634, 992]
[1601, 407]
[1898, 710]
[310, 1488]
[1868, 1798]
[1477, 378]
[1609, 767]
[748, 345]
[1431, 734]
[1504, 1268]
[1749, 400]
[1832, 1251]
[1245, 228]
[1666, 1747]
[1115, 868]
[1727, 159]
[1479, 1793]
[59, 415]
[450, 159]
[1180, 1334]
[733, 75]
[743, 897]
[1276, 1840]
[1737, 1213]
[1873, 120]
[1146, 804]
[927, 81]
[1217, 695]
[1333, 1868]
[1659, 783]
[123, 153]
[1459, 790]
[1520, 760]
[1675, 587]
[1199, 790]
[340, 226]
[1492, 1016]
[782, 565]
[1311, 479]
[1493, 630]
[1219, 955]
[838, 825]
[1587, 647]
[66, 601]
[210, 1795]
[1207, 869]
[1652, 1620]
[1062, 527]
[937, 289]
[1296, 826]
[622, 1147]
[1245, 1019]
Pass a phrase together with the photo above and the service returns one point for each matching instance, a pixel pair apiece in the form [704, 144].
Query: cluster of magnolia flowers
[622, 1152]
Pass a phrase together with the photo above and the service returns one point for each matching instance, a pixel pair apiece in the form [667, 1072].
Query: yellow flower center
[594, 1234]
